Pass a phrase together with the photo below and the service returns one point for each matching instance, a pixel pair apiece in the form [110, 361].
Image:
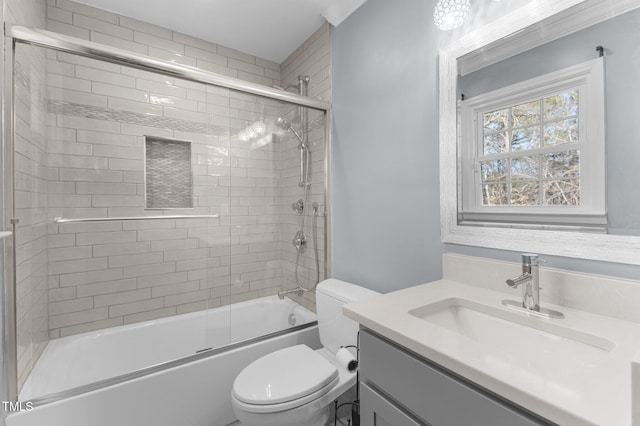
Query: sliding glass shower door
[151, 213]
[122, 192]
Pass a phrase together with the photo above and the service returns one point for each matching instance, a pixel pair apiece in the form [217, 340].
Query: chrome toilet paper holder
[356, 361]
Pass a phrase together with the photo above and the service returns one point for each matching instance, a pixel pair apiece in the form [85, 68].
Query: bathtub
[142, 378]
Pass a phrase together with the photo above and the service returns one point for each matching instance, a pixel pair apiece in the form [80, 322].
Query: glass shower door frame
[18, 34]
[9, 222]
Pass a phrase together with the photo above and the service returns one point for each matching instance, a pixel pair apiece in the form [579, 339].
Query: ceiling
[269, 29]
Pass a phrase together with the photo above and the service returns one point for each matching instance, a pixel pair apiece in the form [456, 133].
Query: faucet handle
[515, 282]
[531, 259]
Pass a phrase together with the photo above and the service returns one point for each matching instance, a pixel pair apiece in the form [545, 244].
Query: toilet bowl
[292, 386]
[296, 385]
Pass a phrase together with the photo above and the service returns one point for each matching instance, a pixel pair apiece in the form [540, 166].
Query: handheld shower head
[285, 125]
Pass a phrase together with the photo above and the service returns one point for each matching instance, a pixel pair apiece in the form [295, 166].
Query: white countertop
[598, 393]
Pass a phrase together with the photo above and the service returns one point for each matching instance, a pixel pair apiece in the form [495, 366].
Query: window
[533, 152]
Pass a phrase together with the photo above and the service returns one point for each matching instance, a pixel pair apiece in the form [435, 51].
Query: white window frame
[588, 78]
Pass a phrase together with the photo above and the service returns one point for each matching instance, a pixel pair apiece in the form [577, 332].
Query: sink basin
[572, 371]
[516, 335]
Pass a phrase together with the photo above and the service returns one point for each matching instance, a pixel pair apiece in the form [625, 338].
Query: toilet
[296, 385]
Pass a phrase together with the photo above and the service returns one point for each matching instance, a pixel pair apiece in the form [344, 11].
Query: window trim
[588, 77]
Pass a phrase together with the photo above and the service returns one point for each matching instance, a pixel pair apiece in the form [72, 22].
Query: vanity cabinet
[400, 388]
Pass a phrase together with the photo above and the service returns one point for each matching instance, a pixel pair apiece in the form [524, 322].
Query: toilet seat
[283, 380]
[284, 406]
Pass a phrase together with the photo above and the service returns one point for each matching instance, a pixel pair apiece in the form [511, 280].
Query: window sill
[591, 223]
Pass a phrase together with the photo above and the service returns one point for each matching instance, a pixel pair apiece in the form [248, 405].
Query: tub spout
[282, 293]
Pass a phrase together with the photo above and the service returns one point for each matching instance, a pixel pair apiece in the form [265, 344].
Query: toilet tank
[336, 330]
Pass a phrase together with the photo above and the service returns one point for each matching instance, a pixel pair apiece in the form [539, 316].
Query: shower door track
[59, 42]
[38, 37]
[206, 353]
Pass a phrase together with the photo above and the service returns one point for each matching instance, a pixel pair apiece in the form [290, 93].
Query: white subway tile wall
[91, 163]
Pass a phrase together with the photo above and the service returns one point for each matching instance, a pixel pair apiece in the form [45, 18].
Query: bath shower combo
[113, 275]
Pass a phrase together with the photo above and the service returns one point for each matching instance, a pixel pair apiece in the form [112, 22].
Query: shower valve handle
[298, 206]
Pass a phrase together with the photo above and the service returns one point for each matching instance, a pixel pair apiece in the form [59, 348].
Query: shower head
[285, 125]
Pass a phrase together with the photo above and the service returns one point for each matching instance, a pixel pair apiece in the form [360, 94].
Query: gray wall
[386, 229]
[385, 190]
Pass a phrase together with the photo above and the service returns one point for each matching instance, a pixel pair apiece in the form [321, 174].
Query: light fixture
[450, 14]
[252, 130]
[249, 131]
[259, 126]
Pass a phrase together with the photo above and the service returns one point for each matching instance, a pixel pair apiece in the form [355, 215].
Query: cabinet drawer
[377, 411]
[429, 392]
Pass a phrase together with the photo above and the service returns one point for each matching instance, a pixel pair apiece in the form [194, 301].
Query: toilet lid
[283, 375]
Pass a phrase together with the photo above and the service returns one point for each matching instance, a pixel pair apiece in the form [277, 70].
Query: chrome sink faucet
[530, 281]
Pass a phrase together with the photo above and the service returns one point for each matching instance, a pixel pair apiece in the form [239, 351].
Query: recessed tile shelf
[131, 117]
[168, 181]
